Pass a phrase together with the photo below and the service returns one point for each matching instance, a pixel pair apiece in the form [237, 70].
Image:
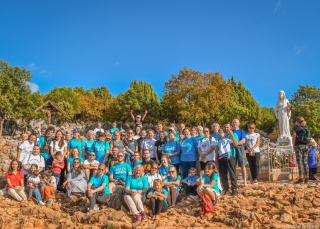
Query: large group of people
[150, 164]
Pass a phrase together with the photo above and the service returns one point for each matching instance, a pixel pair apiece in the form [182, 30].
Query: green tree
[267, 120]
[67, 100]
[139, 97]
[194, 97]
[242, 106]
[306, 103]
[14, 92]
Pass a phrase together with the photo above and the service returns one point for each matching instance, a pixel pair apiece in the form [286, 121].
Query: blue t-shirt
[216, 136]
[164, 170]
[171, 148]
[240, 133]
[71, 159]
[98, 181]
[135, 163]
[74, 143]
[207, 180]
[170, 179]
[120, 171]
[189, 148]
[88, 146]
[312, 160]
[233, 151]
[113, 129]
[191, 179]
[164, 191]
[45, 153]
[100, 149]
[199, 137]
[137, 183]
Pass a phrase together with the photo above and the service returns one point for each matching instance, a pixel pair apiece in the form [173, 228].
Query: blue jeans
[128, 158]
[186, 166]
[36, 192]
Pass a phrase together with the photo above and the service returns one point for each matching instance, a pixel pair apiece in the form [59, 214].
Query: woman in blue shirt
[88, 144]
[76, 142]
[136, 187]
[98, 190]
[189, 147]
[172, 183]
[172, 149]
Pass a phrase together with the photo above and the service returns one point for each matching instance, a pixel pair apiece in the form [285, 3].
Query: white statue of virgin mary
[283, 114]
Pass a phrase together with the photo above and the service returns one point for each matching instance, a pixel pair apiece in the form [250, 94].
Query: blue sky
[270, 45]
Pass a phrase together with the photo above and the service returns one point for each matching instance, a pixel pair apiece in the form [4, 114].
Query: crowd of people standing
[151, 164]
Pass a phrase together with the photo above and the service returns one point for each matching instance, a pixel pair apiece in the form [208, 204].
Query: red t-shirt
[15, 179]
[56, 169]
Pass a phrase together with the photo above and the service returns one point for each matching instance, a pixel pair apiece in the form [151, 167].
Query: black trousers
[190, 189]
[254, 165]
[312, 173]
[228, 166]
[158, 206]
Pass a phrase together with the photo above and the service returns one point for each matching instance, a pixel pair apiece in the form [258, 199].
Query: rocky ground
[266, 205]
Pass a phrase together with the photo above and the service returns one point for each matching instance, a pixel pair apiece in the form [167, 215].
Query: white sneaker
[42, 203]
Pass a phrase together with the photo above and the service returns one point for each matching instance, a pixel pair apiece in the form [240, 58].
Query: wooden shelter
[49, 107]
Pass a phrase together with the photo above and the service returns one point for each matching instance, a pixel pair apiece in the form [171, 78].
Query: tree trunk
[1, 125]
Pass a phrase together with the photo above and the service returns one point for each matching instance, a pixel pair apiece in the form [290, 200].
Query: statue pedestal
[285, 141]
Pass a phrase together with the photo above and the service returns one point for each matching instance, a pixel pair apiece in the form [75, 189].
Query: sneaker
[138, 218]
[300, 181]
[224, 192]
[87, 216]
[214, 202]
[96, 209]
[234, 193]
[143, 216]
[306, 181]
[49, 202]
[42, 203]
[255, 181]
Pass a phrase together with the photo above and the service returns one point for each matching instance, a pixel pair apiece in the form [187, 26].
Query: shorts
[215, 191]
[241, 156]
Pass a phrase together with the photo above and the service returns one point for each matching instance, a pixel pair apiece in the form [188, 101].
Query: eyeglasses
[154, 168]
[171, 171]
[120, 156]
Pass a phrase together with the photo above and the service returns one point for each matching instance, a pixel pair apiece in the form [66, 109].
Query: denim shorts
[241, 156]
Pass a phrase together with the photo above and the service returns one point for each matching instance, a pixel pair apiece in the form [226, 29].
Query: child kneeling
[209, 184]
[158, 198]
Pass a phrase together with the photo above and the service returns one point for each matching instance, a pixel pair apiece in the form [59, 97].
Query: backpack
[206, 204]
[46, 146]
[304, 136]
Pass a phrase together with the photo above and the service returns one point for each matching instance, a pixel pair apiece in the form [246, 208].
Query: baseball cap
[138, 116]
[75, 130]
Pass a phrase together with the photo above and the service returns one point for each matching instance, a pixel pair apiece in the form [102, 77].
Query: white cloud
[33, 87]
[32, 66]
[277, 7]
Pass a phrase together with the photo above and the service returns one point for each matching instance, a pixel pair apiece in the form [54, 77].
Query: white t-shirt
[251, 140]
[96, 131]
[54, 181]
[205, 144]
[55, 145]
[26, 148]
[34, 179]
[87, 162]
[151, 178]
[32, 159]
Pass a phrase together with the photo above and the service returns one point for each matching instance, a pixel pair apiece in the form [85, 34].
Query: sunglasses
[120, 156]
[171, 171]
[101, 169]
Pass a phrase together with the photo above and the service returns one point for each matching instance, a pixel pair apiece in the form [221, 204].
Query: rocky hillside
[266, 205]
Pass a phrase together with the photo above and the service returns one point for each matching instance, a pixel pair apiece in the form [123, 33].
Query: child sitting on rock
[158, 198]
[312, 160]
[209, 183]
[33, 184]
[49, 187]
[189, 184]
